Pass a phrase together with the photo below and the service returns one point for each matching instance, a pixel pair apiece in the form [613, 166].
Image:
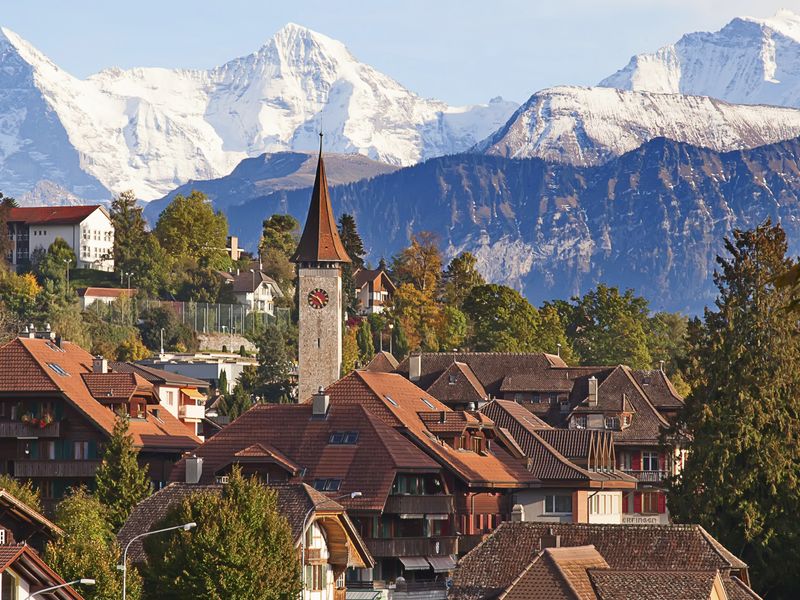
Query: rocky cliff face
[652, 219]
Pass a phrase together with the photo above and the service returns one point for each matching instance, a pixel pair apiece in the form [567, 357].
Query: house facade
[86, 229]
[256, 290]
[634, 406]
[58, 406]
[205, 366]
[374, 289]
[89, 295]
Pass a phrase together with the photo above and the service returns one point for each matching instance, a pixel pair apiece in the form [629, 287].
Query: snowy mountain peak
[749, 61]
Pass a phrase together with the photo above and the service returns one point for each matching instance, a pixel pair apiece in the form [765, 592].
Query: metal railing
[647, 476]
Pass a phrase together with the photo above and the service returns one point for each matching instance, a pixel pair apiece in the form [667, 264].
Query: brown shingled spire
[320, 240]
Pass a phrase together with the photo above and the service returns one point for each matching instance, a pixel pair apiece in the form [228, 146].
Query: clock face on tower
[318, 298]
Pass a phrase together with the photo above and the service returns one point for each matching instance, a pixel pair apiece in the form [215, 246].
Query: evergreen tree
[551, 334]
[222, 385]
[236, 403]
[453, 331]
[121, 482]
[399, 341]
[242, 548]
[6, 204]
[274, 366]
[130, 229]
[349, 350]
[89, 548]
[366, 350]
[610, 328]
[741, 480]
[354, 247]
[459, 279]
[54, 263]
[22, 490]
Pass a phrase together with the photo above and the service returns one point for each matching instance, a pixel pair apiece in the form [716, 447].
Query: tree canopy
[742, 478]
[242, 548]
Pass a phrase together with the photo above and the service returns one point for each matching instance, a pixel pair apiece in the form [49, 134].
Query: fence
[201, 317]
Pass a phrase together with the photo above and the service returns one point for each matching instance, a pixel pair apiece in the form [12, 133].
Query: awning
[414, 563]
[193, 393]
[442, 564]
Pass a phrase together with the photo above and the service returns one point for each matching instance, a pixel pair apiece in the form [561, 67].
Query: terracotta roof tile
[101, 292]
[362, 277]
[659, 389]
[382, 362]
[118, 387]
[496, 562]
[157, 376]
[304, 440]
[51, 215]
[458, 385]
[653, 585]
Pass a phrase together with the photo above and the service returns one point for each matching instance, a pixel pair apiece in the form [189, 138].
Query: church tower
[319, 257]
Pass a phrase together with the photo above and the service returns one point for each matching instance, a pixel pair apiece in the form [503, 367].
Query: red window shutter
[636, 461]
[662, 503]
[637, 502]
[662, 462]
[626, 503]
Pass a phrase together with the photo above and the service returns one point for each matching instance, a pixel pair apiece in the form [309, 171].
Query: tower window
[319, 343]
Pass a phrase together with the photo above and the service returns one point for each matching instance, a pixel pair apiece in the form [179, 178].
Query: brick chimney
[550, 540]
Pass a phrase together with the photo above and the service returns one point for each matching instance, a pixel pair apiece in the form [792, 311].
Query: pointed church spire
[320, 240]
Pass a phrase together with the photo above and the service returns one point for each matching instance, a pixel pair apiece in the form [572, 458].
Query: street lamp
[303, 536]
[128, 274]
[82, 581]
[253, 273]
[162, 341]
[67, 261]
[124, 565]
[391, 330]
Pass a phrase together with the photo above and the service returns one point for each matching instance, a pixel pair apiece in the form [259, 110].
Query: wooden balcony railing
[55, 468]
[413, 546]
[648, 476]
[339, 594]
[16, 429]
[420, 505]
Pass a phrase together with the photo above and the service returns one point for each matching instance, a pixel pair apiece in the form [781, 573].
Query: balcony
[16, 429]
[657, 477]
[419, 505]
[55, 468]
[413, 546]
[190, 411]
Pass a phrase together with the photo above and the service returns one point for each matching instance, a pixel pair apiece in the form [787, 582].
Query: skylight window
[58, 369]
[428, 403]
[392, 402]
[343, 437]
[327, 485]
[54, 347]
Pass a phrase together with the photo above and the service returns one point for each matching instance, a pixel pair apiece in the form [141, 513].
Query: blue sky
[460, 52]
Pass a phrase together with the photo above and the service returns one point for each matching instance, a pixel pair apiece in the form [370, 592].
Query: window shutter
[662, 503]
[636, 461]
[92, 450]
[626, 503]
[637, 502]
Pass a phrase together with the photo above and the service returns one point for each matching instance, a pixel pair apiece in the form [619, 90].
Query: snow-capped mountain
[589, 126]
[749, 61]
[153, 129]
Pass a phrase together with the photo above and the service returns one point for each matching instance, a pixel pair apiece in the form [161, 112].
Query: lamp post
[82, 581]
[162, 340]
[303, 537]
[124, 565]
[253, 306]
[391, 330]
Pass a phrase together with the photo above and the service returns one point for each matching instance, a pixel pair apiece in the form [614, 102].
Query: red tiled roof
[303, 439]
[117, 387]
[320, 241]
[32, 365]
[458, 385]
[362, 277]
[51, 215]
[157, 376]
[382, 362]
[653, 585]
[659, 389]
[398, 402]
[499, 560]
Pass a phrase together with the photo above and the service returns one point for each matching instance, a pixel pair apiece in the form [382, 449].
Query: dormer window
[626, 421]
[564, 406]
[579, 421]
[452, 379]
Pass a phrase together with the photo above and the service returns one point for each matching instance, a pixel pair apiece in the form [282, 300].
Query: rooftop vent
[415, 367]
[592, 391]
[99, 365]
[550, 540]
[194, 469]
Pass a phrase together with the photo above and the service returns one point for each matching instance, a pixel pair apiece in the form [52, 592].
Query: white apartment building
[86, 229]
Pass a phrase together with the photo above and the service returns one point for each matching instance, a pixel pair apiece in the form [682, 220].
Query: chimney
[550, 540]
[321, 403]
[592, 391]
[517, 513]
[415, 367]
[99, 365]
[194, 469]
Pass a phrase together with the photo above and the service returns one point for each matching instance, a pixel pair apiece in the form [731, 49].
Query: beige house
[256, 290]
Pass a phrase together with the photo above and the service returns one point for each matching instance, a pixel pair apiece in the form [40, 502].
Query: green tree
[610, 328]
[459, 278]
[54, 263]
[130, 229]
[121, 482]
[366, 349]
[23, 490]
[349, 350]
[354, 246]
[399, 341]
[6, 204]
[222, 385]
[242, 548]
[667, 341]
[234, 404]
[552, 336]
[189, 227]
[281, 233]
[273, 373]
[742, 478]
[502, 320]
[89, 548]
[176, 334]
[453, 330]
